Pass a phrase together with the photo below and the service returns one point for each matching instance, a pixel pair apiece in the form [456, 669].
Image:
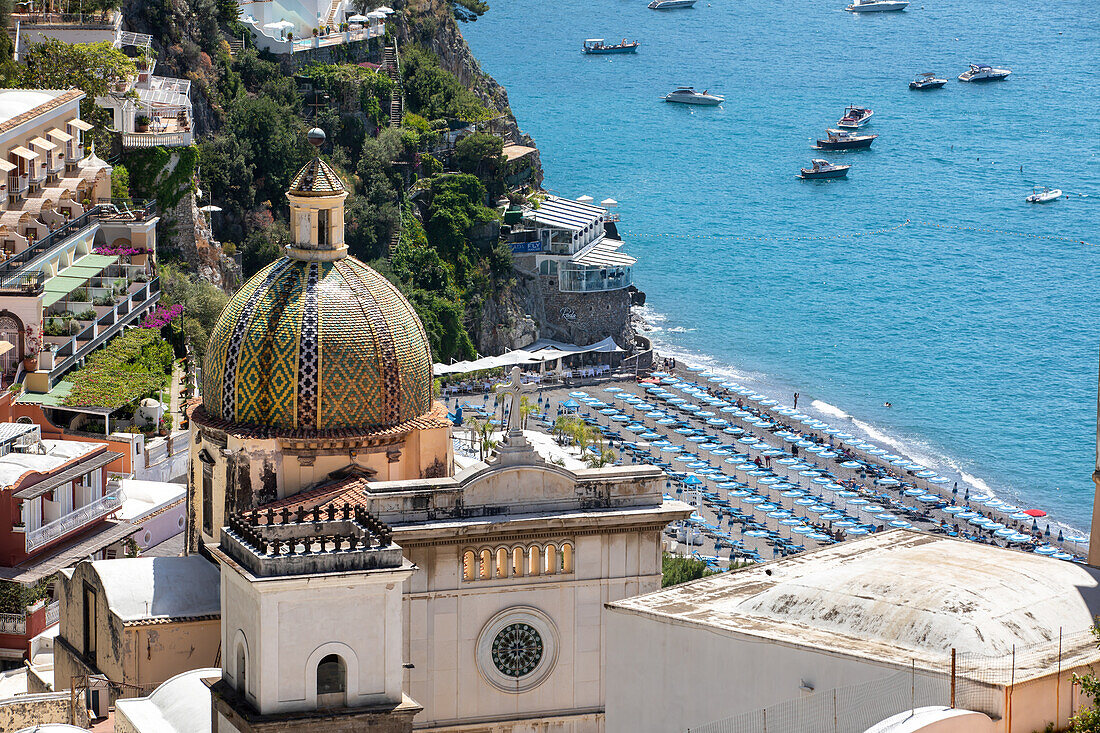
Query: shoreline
[827, 412]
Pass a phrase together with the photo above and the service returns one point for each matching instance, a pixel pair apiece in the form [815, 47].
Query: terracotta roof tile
[316, 177]
[41, 109]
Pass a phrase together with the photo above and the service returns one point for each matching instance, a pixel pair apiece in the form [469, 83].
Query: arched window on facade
[502, 562]
[486, 570]
[468, 562]
[517, 562]
[332, 682]
[242, 671]
[10, 332]
[534, 560]
[567, 557]
[550, 564]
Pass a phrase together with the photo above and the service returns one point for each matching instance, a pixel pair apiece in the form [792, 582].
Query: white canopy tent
[540, 352]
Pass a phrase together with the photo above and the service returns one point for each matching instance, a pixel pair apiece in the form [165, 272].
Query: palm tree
[526, 409]
[601, 457]
[483, 429]
[563, 426]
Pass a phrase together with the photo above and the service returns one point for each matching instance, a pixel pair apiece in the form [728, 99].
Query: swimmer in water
[886, 404]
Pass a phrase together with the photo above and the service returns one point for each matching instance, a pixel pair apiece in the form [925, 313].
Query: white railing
[156, 139]
[73, 520]
[53, 613]
[13, 623]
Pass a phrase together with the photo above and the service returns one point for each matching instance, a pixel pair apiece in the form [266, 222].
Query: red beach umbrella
[1035, 512]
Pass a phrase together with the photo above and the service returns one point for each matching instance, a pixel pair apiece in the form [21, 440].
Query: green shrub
[88, 315]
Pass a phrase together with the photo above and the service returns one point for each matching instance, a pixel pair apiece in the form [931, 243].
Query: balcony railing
[127, 209]
[25, 283]
[156, 139]
[17, 262]
[13, 623]
[109, 324]
[74, 520]
[53, 613]
[86, 21]
[18, 184]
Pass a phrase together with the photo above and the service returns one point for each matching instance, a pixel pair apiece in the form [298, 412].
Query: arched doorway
[11, 330]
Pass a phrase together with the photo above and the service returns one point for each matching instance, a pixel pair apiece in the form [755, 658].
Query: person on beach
[796, 400]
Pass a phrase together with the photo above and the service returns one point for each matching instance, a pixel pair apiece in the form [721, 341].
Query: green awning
[81, 271]
[100, 261]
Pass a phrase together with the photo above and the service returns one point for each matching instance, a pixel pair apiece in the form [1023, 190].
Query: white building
[854, 614]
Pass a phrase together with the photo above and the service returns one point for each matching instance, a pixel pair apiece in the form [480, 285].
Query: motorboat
[688, 95]
[876, 6]
[824, 169]
[1044, 195]
[844, 140]
[927, 80]
[855, 117]
[596, 45]
[984, 72]
[671, 4]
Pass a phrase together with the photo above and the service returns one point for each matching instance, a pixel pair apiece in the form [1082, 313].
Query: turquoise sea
[984, 337]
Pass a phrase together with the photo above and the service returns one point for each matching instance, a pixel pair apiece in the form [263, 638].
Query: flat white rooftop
[892, 597]
[58, 453]
[14, 102]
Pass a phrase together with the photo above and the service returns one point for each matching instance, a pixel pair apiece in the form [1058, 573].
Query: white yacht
[1043, 195]
[983, 72]
[876, 6]
[671, 4]
[688, 95]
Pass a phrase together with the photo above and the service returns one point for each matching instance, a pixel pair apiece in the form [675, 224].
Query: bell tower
[312, 624]
[316, 198]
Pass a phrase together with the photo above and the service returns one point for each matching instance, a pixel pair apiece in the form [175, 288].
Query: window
[322, 227]
[89, 623]
[242, 671]
[550, 565]
[468, 563]
[331, 682]
[502, 563]
[207, 498]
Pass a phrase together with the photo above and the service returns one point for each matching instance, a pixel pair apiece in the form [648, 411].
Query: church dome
[318, 345]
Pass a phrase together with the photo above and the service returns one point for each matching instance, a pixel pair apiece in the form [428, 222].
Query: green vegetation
[676, 570]
[120, 183]
[1088, 719]
[15, 597]
[202, 305]
[151, 174]
[134, 365]
[435, 93]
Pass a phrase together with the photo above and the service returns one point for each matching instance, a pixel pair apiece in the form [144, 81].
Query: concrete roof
[891, 597]
[160, 588]
[181, 704]
[142, 498]
[14, 102]
[58, 453]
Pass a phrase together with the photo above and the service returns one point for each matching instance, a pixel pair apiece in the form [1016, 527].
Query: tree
[433, 92]
[483, 432]
[202, 304]
[120, 183]
[94, 68]
[480, 154]
[526, 409]
[676, 570]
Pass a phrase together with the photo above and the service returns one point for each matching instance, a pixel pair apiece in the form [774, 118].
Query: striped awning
[565, 214]
[604, 253]
[43, 144]
[23, 153]
[79, 124]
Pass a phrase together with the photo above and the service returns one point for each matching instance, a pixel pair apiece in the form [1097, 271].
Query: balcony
[13, 623]
[54, 238]
[18, 185]
[25, 283]
[133, 210]
[588, 279]
[74, 520]
[136, 140]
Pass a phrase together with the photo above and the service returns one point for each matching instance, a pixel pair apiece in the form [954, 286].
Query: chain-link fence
[1028, 687]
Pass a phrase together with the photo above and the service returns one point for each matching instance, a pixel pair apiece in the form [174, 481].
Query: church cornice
[495, 535]
[302, 439]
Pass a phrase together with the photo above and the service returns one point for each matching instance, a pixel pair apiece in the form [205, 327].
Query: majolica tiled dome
[318, 345]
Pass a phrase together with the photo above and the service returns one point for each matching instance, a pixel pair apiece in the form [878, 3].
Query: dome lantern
[316, 199]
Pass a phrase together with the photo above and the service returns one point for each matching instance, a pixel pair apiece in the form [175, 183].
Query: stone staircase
[391, 64]
[330, 16]
[235, 47]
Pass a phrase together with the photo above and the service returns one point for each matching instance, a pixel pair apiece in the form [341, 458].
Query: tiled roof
[40, 109]
[316, 177]
[339, 492]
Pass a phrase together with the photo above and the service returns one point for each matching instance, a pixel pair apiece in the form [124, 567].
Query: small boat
[596, 45]
[927, 80]
[844, 140]
[876, 6]
[1044, 195]
[688, 95]
[855, 117]
[824, 169]
[984, 72]
[671, 4]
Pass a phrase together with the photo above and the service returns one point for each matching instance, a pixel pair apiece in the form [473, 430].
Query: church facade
[317, 429]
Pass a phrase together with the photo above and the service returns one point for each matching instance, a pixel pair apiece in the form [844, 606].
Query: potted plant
[32, 346]
[141, 123]
[316, 39]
